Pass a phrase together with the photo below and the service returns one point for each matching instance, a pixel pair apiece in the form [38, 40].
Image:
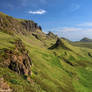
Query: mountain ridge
[11, 24]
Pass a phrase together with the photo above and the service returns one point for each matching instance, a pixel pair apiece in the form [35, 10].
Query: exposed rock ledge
[18, 60]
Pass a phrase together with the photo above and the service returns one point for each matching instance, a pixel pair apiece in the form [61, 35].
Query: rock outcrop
[12, 25]
[18, 60]
[59, 43]
[52, 35]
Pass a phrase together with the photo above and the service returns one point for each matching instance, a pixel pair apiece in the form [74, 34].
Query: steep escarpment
[11, 25]
[15, 26]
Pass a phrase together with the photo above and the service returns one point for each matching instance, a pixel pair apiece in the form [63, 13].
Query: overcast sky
[68, 18]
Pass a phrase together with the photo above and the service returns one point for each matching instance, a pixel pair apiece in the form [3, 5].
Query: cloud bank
[39, 12]
[86, 24]
[73, 33]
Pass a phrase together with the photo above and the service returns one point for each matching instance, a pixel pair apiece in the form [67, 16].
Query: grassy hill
[85, 42]
[65, 68]
[85, 39]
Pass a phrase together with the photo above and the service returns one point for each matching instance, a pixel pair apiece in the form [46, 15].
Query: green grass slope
[57, 70]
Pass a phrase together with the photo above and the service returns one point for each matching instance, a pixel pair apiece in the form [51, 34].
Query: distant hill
[85, 42]
[85, 39]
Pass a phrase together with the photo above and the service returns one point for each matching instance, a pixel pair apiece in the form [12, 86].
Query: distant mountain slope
[27, 65]
[85, 42]
[85, 39]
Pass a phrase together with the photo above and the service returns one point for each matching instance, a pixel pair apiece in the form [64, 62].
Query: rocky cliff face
[60, 43]
[18, 60]
[12, 25]
[52, 35]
